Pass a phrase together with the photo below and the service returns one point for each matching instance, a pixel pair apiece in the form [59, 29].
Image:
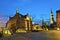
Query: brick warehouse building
[58, 18]
[19, 21]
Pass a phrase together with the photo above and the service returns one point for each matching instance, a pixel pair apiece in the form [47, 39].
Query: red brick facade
[19, 21]
[58, 18]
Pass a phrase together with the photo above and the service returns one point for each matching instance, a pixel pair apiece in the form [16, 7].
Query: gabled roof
[19, 15]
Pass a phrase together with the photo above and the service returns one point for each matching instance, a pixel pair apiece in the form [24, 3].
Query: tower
[52, 20]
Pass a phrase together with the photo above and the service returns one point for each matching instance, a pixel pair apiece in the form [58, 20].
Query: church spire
[51, 11]
[16, 11]
[51, 17]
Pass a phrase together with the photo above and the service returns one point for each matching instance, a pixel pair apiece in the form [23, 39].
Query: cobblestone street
[43, 35]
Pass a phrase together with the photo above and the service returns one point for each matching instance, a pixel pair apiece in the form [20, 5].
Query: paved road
[43, 35]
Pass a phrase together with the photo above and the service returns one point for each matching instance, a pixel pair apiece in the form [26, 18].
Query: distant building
[58, 18]
[36, 27]
[19, 21]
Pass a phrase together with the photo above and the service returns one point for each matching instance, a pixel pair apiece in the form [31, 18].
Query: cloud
[3, 20]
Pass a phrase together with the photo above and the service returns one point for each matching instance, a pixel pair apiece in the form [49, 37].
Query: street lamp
[58, 29]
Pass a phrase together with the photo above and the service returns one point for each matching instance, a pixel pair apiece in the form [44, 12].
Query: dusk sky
[38, 9]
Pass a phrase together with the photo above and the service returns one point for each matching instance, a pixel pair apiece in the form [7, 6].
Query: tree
[43, 23]
[1, 34]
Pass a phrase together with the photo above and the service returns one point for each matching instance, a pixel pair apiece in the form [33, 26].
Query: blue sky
[38, 9]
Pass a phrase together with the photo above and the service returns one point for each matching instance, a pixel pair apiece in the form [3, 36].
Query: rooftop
[57, 11]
